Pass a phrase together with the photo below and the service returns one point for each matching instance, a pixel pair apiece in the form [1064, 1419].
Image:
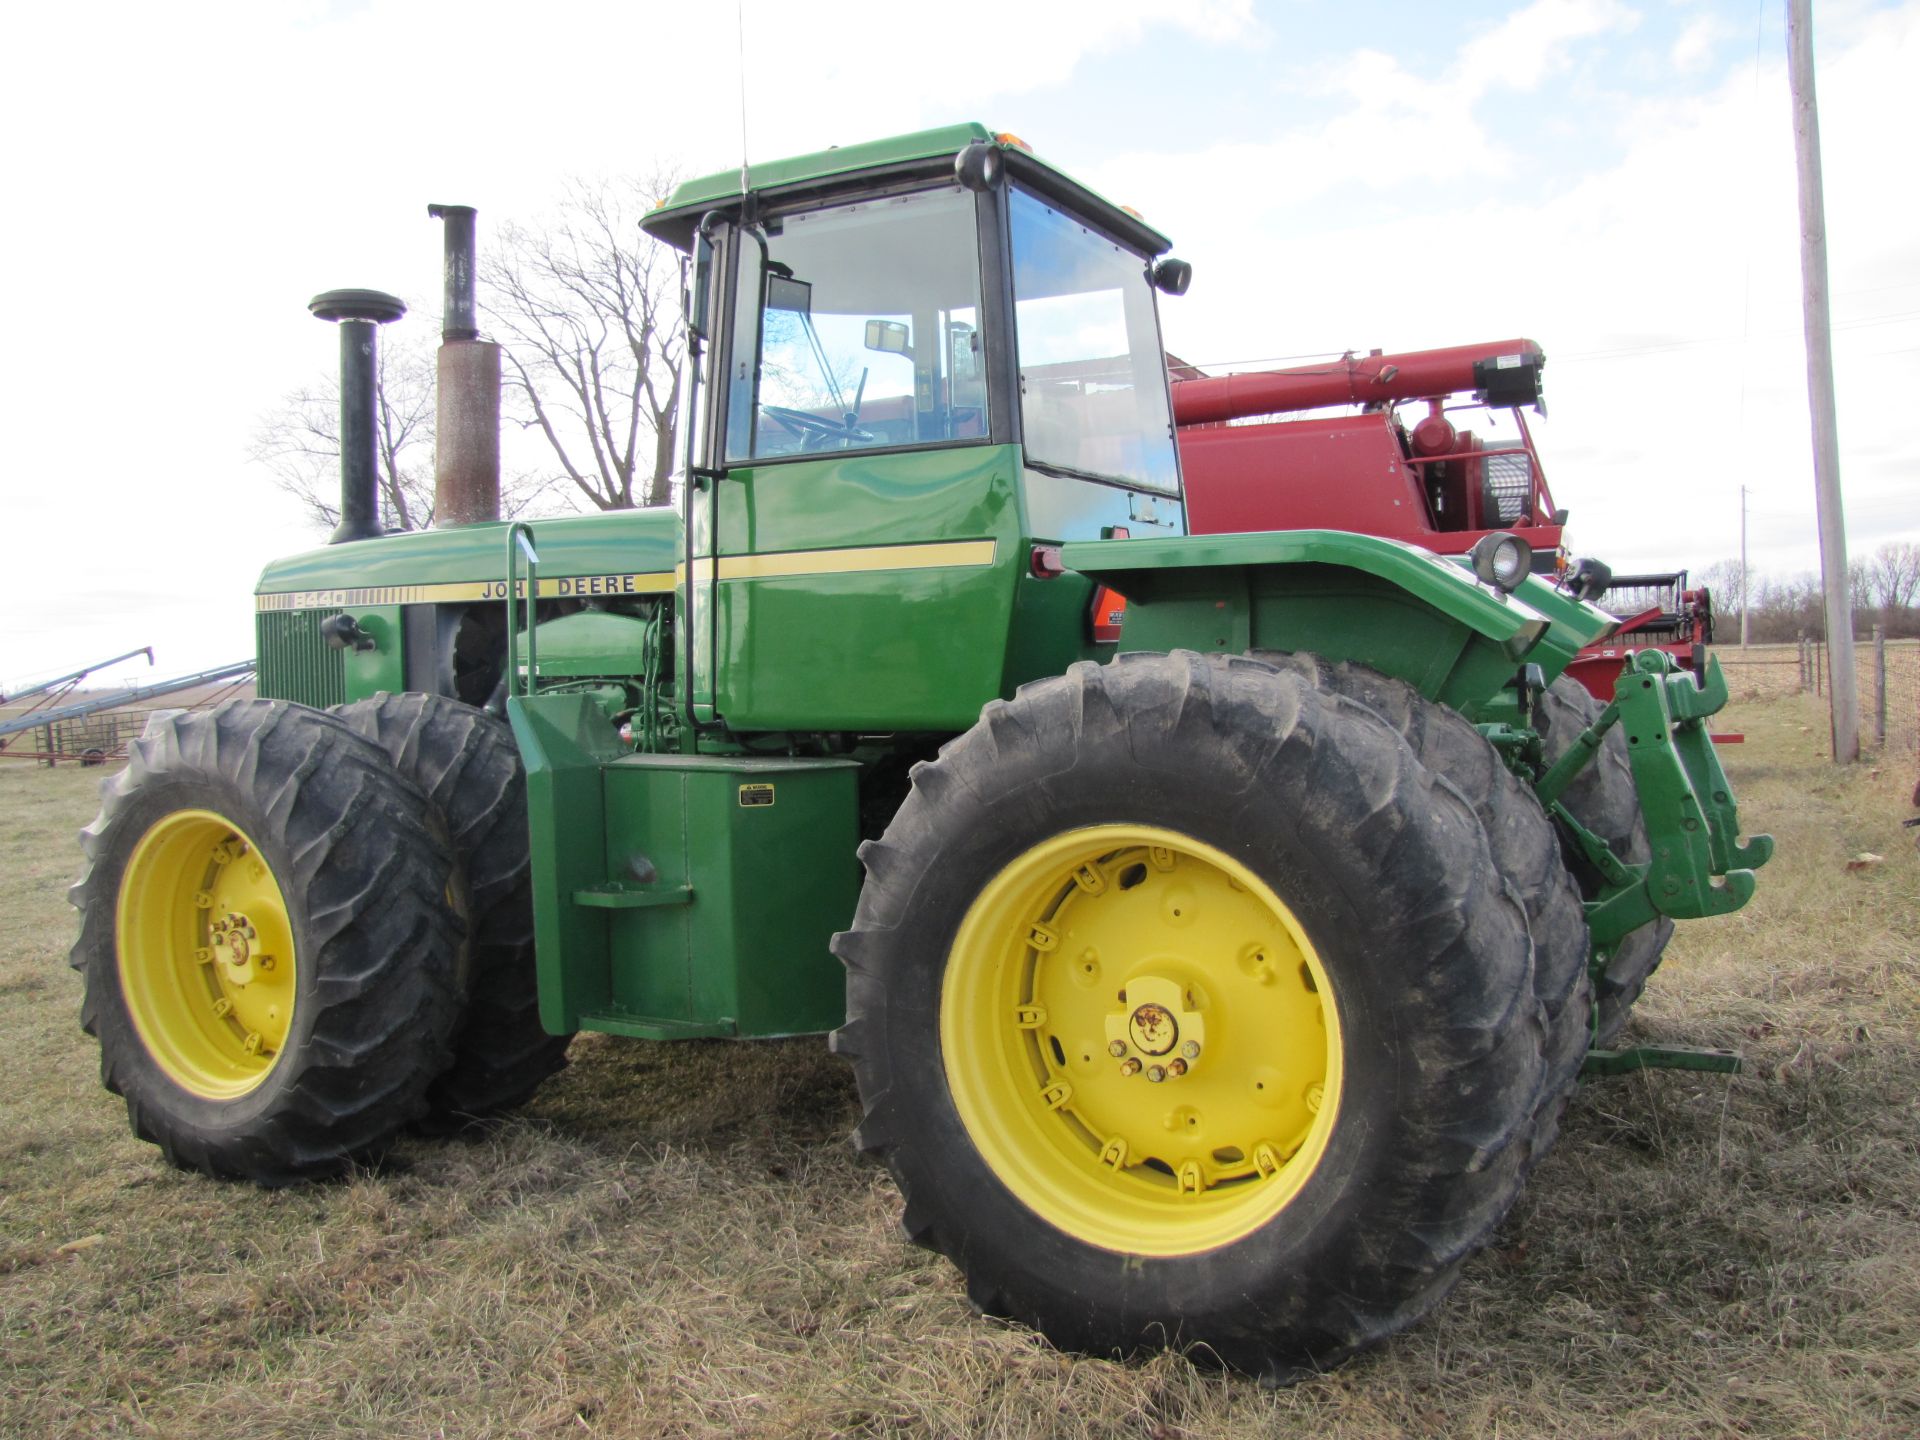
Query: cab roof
[919, 156]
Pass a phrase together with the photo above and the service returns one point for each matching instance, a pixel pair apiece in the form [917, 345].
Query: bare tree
[1722, 578]
[1893, 573]
[300, 442]
[587, 310]
[1860, 588]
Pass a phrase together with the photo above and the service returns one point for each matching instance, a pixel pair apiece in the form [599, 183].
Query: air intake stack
[466, 458]
[360, 314]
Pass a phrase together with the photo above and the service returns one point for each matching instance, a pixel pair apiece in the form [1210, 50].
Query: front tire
[268, 952]
[1175, 849]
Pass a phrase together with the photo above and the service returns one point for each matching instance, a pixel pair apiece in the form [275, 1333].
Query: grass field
[678, 1240]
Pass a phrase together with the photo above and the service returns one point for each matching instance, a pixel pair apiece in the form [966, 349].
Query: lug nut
[1117, 1049]
[1156, 1073]
[1191, 1049]
[1130, 1067]
[1176, 1068]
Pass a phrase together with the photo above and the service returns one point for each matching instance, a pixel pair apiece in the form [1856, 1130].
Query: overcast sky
[1612, 179]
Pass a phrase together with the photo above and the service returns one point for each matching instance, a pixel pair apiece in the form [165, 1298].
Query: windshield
[1092, 380]
[866, 327]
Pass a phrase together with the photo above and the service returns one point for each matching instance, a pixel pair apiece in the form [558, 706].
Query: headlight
[1502, 560]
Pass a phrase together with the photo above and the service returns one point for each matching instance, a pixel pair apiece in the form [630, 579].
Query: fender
[1399, 608]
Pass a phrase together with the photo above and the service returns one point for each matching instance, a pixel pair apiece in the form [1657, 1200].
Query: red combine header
[1657, 612]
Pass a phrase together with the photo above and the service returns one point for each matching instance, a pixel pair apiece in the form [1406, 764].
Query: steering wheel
[813, 428]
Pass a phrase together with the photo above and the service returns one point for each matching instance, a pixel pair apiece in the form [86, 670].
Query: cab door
[866, 536]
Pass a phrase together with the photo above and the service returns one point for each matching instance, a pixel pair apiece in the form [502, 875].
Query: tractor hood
[624, 552]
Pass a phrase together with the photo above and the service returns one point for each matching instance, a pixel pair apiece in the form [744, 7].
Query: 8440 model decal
[552, 587]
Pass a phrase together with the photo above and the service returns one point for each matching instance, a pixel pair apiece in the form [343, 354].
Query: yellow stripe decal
[938, 555]
[564, 587]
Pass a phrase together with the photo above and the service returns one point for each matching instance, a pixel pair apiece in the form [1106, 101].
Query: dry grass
[677, 1240]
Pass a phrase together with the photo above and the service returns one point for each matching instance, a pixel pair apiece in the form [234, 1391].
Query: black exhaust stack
[360, 314]
[466, 455]
[462, 320]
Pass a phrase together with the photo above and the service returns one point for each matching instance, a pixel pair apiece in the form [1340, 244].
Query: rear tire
[468, 765]
[1603, 798]
[1283, 1203]
[269, 956]
[1526, 851]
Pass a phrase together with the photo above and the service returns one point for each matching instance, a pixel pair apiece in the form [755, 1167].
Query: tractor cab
[937, 290]
[915, 367]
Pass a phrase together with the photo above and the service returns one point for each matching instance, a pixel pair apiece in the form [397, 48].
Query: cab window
[1093, 384]
[859, 329]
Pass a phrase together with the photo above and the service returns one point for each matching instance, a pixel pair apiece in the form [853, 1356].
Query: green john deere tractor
[1217, 919]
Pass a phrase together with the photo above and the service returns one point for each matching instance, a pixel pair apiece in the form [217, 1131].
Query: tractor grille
[1509, 488]
[295, 662]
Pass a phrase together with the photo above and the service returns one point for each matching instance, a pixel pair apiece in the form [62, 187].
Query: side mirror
[978, 166]
[1172, 276]
[889, 337]
[786, 293]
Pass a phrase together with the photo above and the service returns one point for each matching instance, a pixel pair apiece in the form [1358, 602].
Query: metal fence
[1887, 673]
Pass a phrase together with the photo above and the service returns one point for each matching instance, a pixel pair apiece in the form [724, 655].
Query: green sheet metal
[590, 643]
[1574, 623]
[929, 150]
[860, 592]
[1344, 596]
[621, 552]
[677, 896]
[382, 667]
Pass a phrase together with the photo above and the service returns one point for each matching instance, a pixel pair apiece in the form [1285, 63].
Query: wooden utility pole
[1843, 689]
[1743, 567]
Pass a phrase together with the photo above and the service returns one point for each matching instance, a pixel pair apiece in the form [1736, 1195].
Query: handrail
[1471, 454]
[520, 542]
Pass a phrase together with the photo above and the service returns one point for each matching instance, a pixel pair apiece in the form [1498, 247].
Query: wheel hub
[234, 941]
[1155, 1032]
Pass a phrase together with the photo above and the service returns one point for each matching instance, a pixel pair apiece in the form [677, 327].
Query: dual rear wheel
[302, 932]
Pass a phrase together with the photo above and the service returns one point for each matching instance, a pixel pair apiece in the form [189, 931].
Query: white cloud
[1525, 49]
[1694, 50]
[1393, 119]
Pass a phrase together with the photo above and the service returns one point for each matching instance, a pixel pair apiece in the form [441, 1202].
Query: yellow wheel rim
[1141, 1040]
[206, 954]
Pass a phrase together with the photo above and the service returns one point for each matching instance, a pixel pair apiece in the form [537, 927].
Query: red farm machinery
[1657, 612]
[1257, 455]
